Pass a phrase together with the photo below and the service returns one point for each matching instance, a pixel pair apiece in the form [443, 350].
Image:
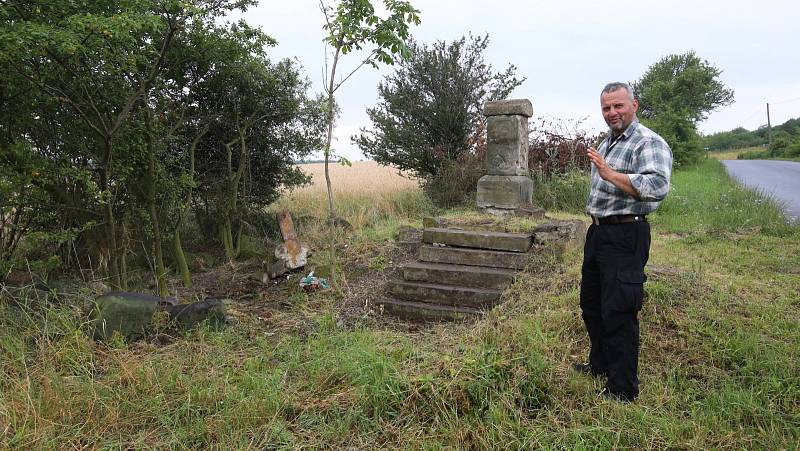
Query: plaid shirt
[647, 160]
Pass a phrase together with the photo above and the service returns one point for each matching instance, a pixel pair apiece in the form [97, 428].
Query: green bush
[681, 135]
[455, 182]
[753, 155]
[792, 150]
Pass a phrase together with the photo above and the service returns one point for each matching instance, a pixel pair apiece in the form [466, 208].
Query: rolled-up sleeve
[652, 170]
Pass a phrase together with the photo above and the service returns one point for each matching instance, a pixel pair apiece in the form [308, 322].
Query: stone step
[473, 257]
[470, 276]
[425, 311]
[441, 294]
[515, 242]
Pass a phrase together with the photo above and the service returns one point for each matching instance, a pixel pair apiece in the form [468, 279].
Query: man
[630, 177]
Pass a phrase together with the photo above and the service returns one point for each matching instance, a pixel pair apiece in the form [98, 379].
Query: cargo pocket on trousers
[631, 286]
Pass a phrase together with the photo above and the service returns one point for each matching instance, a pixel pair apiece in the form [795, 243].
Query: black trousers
[612, 289]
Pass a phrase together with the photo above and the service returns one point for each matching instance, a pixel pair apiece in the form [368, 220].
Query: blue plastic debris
[313, 283]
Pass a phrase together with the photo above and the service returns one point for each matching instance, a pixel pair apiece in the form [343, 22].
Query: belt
[618, 219]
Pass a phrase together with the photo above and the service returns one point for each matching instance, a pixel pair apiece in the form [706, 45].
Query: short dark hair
[611, 87]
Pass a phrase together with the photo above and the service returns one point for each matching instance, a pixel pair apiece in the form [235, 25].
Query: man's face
[618, 109]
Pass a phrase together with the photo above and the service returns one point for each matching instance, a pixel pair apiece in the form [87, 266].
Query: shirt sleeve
[652, 170]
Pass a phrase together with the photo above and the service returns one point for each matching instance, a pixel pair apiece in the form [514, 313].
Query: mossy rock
[134, 315]
[129, 314]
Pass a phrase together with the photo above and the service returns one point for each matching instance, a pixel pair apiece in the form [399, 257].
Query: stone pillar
[506, 186]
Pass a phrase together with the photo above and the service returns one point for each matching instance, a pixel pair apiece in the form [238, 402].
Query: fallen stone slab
[515, 242]
[191, 315]
[133, 315]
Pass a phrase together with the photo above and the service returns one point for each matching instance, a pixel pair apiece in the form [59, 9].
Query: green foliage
[753, 154]
[352, 25]
[681, 83]
[566, 191]
[680, 133]
[430, 112]
[127, 114]
[674, 95]
[455, 181]
[735, 139]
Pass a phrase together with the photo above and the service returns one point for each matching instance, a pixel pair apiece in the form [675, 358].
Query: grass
[729, 154]
[719, 362]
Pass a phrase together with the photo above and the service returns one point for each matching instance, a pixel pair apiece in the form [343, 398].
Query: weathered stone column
[506, 186]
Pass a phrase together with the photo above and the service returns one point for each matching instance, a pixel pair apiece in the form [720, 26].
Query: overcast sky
[568, 50]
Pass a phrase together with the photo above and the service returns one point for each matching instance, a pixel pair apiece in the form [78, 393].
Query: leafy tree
[675, 94]
[430, 113]
[266, 121]
[353, 25]
[99, 60]
[123, 113]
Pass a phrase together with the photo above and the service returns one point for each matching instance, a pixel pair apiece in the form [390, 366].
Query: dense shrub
[456, 181]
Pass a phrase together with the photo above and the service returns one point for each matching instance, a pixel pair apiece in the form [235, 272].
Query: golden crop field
[363, 193]
[363, 177]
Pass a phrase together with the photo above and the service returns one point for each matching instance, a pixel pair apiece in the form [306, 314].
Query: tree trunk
[232, 248]
[327, 152]
[177, 247]
[225, 228]
[123, 257]
[180, 259]
[150, 190]
[111, 229]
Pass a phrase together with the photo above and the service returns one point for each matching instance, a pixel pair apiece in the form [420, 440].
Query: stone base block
[504, 192]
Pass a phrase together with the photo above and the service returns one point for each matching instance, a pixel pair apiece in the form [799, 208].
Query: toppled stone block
[190, 315]
[566, 234]
[132, 315]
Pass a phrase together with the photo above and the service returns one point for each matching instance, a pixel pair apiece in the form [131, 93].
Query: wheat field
[363, 193]
[361, 178]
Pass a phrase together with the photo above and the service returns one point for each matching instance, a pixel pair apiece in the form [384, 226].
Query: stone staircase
[459, 274]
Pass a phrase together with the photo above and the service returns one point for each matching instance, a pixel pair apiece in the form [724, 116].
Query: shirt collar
[627, 133]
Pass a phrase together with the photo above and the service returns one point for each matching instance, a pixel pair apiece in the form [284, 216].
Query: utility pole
[769, 126]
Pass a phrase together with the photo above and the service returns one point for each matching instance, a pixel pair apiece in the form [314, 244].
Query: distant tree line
[785, 139]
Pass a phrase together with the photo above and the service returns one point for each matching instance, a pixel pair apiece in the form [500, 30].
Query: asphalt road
[781, 179]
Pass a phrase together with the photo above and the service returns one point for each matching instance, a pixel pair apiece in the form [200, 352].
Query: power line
[785, 101]
[758, 111]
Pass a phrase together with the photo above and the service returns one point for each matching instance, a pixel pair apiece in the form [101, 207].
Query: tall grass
[704, 198]
[561, 192]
